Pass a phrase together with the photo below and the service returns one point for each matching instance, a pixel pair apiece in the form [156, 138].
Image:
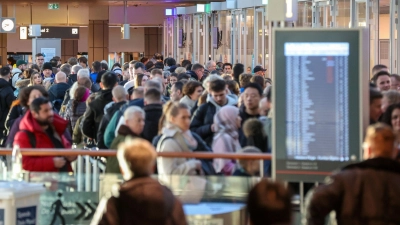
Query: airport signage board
[66, 33]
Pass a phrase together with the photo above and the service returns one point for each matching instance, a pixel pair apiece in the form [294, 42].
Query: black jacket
[365, 193]
[57, 91]
[202, 120]
[104, 122]
[15, 113]
[6, 99]
[94, 113]
[153, 115]
[245, 116]
[72, 78]
[142, 201]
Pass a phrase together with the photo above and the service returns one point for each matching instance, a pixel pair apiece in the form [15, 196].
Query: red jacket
[40, 163]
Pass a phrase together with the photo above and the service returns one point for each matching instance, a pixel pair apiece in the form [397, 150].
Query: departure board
[318, 122]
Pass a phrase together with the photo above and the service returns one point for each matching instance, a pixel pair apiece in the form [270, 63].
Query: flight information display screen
[316, 103]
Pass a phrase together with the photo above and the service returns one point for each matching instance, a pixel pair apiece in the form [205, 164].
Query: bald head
[119, 94]
[380, 142]
[61, 77]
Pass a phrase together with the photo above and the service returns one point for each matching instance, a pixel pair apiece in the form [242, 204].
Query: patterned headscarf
[225, 121]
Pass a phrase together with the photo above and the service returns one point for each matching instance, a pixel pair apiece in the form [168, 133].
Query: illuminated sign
[71, 33]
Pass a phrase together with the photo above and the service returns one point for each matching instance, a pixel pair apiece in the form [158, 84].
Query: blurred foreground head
[380, 141]
[136, 158]
[269, 203]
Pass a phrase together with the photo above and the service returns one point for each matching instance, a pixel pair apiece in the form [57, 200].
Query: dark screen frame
[356, 90]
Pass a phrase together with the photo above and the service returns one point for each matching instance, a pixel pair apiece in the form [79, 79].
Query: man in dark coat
[6, 96]
[365, 192]
[57, 90]
[197, 72]
[203, 119]
[95, 111]
[120, 98]
[141, 199]
[153, 109]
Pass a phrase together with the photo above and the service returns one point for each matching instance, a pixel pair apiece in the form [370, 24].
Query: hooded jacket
[6, 99]
[142, 201]
[203, 118]
[16, 73]
[94, 113]
[40, 163]
[365, 193]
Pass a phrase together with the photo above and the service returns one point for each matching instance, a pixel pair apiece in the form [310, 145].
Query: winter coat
[108, 113]
[365, 193]
[203, 118]
[6, 99]
[40, 163]
[153, 115]
[124, 132]
[72, 117]
[14, 113]
[57, 91]
[245, 116]
[173, 140]
[94, 113]
[109, 134]
[141, 201]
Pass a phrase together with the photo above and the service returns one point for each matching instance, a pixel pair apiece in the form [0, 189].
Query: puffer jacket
[40, 163]
[143, 201]
[365, 193]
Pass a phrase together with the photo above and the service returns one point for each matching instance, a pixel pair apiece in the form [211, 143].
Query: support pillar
[3, 37]
[98, 40]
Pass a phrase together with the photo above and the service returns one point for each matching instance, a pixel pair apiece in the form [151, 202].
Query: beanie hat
[47, 66]
[21, 62]
[86, 95]
[117, 71]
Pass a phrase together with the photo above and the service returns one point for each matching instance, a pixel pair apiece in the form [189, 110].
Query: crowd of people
[156, 105]
[179, 107]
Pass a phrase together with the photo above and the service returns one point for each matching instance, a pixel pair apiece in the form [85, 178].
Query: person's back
[140, 200]
[363, 193]
[6, 96]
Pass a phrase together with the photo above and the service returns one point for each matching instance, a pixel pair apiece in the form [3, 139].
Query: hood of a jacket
[232, 101]
[125, 131]
[192, 74]
[22, 83]
[30, 124]
[113, 106]
[16, 70]
[172, 68]
[4, 83]
[153, 107]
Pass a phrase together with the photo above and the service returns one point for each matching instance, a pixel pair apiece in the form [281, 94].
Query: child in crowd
[248, 168]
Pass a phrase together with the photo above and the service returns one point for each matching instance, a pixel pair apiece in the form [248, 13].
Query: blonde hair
[136, 157]
[381, 139]
[170, 109]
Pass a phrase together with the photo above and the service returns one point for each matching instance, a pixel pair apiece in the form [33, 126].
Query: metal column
[397, 44]
[175, 22]
[392, 51]
[233, 36]
[244, 35]
[315, 15]
[206, 37]
[353, 14]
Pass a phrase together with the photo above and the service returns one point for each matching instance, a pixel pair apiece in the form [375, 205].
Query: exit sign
[54, 6]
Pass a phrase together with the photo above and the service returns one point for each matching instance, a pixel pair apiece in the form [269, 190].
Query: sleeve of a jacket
[9, 99]
[52, 97]
[11, 117]
[109, 134]
[197, 125]
[322, 200]
[31, 163]
[89, 125]
[170, 165]
[106, 212]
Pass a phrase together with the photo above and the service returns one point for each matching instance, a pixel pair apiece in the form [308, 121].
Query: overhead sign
[54, 6]
[7, 25]
[71, 33]
[23, 33]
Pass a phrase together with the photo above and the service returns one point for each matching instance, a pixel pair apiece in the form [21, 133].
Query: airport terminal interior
[222, 112]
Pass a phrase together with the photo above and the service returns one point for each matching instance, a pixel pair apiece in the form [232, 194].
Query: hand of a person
[71, 158]
[59, 162]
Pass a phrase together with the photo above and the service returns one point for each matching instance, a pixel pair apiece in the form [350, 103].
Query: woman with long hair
[141, 80]
[192, 91]
[177, 137]
[226, 138]
[78, 107]
[36, 79]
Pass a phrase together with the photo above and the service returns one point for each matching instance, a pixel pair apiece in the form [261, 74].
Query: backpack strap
[32, 138]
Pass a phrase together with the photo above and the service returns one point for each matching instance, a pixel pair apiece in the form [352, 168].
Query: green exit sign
[54, 6]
